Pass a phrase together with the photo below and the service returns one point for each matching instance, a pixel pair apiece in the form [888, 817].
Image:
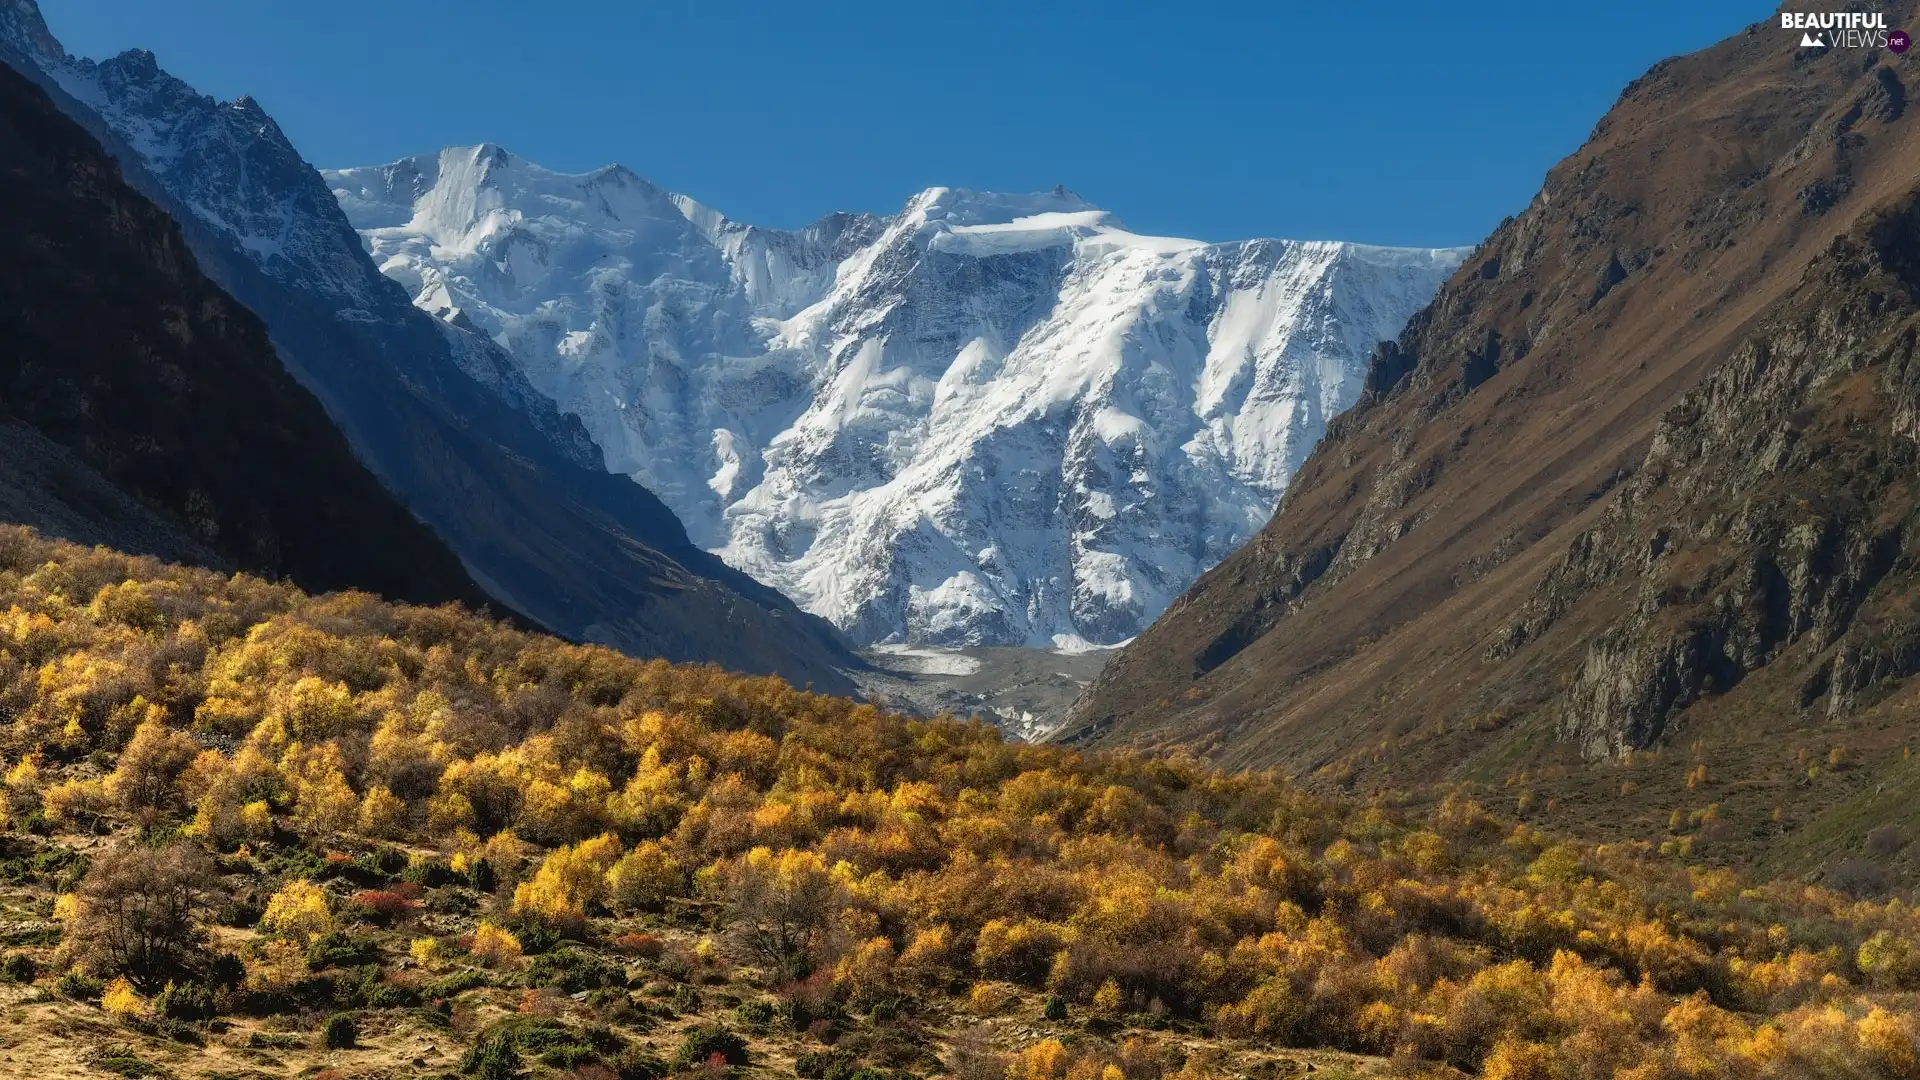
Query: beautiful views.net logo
[1844, 30]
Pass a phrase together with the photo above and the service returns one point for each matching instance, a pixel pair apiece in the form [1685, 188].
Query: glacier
[988, 419]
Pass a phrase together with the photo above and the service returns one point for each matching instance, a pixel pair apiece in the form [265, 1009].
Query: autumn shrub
[782, 905]
[845, 858]
[494, 946]
[384, 906]
[644, 946]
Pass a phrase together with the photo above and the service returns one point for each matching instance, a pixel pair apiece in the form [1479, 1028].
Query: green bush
[77, 986]
[339, 1032]
[491, 1059]
[755, 1013]
[455, 984]
[569, 1055]
[19, 968]
[481, 878]
[1054, 1009]
[826, 1065]
[186, 1001]
[686, 999]
[536, 935]
[340, 949]
[122, 1061]
[573, 971]
[429, 873]
[702, 1043]
[636, 1063]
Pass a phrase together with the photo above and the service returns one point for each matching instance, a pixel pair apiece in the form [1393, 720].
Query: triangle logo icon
[1808, 41]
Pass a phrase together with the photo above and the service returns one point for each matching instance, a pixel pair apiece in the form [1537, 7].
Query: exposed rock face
[1653, 439]
[1768, 509]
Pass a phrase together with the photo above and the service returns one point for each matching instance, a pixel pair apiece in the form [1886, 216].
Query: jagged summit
[986, 418]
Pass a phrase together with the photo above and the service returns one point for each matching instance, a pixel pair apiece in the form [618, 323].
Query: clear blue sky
[1389, 122]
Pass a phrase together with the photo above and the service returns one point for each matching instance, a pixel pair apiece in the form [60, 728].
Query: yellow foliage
[569, 879]
[494, 946]
[988, 999]
[1889, 1040]
[1513, 1059]
[381, 813]
[829, 833]
[66, 802]
[865, 974]
[298, 911]
[276, 965]
[645, 878]
[122, 1000]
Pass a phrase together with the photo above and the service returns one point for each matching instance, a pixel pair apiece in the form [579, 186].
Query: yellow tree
[783, 905]
[569, 879]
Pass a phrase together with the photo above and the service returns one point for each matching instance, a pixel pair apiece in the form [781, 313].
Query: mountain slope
[438, 413]
[987, 419]
[1636, 476]
[144, 407]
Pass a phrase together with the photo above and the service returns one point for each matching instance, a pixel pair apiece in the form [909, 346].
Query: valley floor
[1024, 692]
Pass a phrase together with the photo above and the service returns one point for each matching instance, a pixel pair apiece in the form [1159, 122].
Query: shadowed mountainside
[146, 408]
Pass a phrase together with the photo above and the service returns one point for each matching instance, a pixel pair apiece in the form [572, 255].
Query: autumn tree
[150, 763]
[782, 905]
[137, 910]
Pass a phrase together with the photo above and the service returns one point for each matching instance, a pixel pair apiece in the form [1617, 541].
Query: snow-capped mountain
[987, 419]
[441, 414]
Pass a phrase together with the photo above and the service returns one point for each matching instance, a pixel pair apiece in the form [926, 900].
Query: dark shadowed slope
[144, 407]
[437, 413]
[1640, 477]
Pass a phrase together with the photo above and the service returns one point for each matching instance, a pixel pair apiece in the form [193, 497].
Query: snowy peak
[961, 208]
[987, 419]
[465, 194]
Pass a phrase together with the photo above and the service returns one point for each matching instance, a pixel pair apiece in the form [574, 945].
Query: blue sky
[1407, 123]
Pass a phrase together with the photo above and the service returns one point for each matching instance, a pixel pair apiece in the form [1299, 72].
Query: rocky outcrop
[1771, 504]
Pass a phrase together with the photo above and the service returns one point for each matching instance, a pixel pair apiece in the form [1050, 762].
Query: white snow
[988, 419]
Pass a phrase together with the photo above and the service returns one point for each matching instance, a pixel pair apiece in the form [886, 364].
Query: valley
[470, 620]
[1026, 693]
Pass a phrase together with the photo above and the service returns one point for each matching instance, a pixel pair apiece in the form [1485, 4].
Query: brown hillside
[1647, 447]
